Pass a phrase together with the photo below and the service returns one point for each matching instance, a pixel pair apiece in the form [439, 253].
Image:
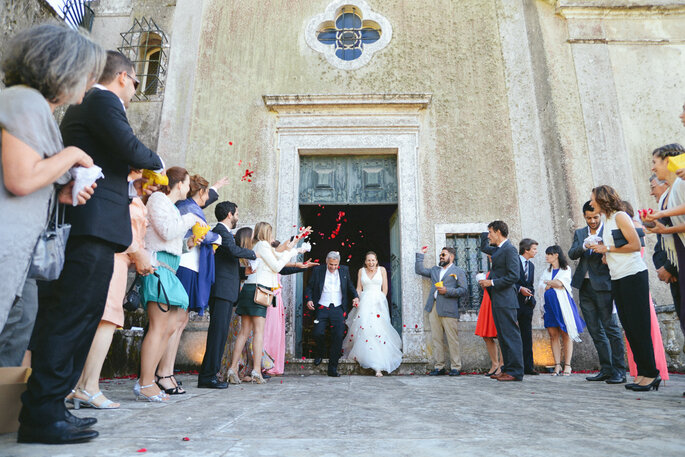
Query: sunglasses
[136, 83]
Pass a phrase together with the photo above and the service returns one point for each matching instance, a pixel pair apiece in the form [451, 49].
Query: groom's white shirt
[331, 289]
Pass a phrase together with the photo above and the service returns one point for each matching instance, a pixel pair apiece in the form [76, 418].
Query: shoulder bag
[48, 254]
[263, 295]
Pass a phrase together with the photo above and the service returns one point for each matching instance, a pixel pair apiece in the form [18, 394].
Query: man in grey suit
[594, 285]
[504, 274]
[448, 283]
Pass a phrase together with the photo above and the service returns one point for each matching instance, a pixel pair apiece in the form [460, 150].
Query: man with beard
[448, 284]
[224, 293]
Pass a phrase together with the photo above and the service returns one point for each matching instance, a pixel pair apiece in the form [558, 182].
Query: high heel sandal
[567, 373]
[107, 404]
[69, 399]
[176, 390]
[257, 378]
[160, 397]
[654, 385]
[557, 373]
[232, 377]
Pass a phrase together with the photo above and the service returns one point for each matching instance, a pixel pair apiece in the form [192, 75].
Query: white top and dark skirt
[560, 309]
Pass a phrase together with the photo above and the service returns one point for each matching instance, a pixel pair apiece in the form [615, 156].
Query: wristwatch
[608, 248]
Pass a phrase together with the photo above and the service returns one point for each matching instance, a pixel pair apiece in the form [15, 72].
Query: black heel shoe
[646, 388]
[176, 390]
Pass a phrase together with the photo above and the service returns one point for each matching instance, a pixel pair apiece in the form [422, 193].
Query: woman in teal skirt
[163, 295]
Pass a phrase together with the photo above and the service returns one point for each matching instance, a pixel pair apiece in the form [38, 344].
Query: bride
[371, 339]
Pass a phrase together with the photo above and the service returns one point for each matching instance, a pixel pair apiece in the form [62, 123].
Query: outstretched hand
[355, 302]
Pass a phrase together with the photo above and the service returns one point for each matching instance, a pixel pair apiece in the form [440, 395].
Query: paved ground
[393, 416]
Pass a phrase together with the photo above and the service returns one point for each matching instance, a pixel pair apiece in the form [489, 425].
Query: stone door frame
[354, 124]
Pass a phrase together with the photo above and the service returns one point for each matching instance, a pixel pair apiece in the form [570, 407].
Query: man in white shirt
[330, 288]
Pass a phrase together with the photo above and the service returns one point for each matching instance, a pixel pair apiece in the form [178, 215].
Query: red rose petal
[230, 143]
[378, 315]
[142, 449]
[185, 438]
[416, 326]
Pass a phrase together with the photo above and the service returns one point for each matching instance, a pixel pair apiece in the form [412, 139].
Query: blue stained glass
[349, 36]
[370, 36]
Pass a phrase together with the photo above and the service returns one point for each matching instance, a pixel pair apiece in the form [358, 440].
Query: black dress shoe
[79, 422]
[333, 373]
[265, 375]
[437, 372]
[531, 373]
[618, 379]
[60, 432]
[317, 361]
[454, 373]
[212, 383]
[599, 377]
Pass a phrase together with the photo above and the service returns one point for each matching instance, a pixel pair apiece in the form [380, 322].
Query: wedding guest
[505, 271]
[253, 314]
[196, 273]
[629, 283]
[73, 305]
[666, 270]
[560, 311]
[657, 342]
[593, 282]
[224, 292]
[485, 326]
[448, 284]
[528, 248]
[670, 222]
[372, 341]
[87, 391]
[330, 288]
[44, 67]
[163, 294]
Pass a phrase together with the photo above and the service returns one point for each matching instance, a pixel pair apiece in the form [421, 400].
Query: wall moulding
[280, 102]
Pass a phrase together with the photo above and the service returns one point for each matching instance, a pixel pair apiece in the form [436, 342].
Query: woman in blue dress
[560, 311]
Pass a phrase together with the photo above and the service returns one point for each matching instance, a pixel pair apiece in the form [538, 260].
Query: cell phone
[292, 238]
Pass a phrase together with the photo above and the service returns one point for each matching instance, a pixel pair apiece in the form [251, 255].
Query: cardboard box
[12, 385]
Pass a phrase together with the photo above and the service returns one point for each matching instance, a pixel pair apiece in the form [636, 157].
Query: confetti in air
[248, 175]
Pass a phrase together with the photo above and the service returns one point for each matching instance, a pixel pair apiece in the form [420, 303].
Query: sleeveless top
[375, 283]
[620, 264]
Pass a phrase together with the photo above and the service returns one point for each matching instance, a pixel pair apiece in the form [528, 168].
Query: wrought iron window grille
[349, 33]
[146, 44]
[473, 261]
[77, 14]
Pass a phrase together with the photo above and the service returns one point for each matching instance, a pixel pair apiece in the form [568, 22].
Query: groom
[330, 287]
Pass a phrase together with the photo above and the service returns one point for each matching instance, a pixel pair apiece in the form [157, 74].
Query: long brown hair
[262, 232]
[175, 175]
[243, 238]
[608, 199]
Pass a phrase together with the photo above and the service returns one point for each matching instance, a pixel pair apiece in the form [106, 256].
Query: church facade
[389, 125]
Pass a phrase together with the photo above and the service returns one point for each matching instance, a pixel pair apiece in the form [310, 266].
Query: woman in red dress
[485, 328]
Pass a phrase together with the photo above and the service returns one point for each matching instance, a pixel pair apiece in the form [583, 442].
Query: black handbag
[620, 240]
[48, 254]
[132, 301]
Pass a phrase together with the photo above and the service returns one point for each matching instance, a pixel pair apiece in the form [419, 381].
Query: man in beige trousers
[448, 283]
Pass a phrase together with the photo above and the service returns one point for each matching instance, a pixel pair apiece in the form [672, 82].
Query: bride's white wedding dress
[371, 339]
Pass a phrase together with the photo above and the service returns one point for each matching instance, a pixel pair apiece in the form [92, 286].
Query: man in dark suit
[525, 287]
[593, 282]
[73, 305]
[224, 293]
[330, 288]
[504, 273]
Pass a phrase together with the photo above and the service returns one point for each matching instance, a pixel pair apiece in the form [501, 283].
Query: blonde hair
[262, 232]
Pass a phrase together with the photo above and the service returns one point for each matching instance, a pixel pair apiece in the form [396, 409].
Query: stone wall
[16, 15]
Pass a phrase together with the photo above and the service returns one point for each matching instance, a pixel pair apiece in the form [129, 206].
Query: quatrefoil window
[348, 33]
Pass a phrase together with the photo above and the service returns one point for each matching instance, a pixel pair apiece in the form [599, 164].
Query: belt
[330, 305]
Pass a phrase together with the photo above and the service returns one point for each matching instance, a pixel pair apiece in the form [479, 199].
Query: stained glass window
[349, 33]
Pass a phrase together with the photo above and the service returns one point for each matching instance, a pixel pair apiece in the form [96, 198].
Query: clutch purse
[263, 295]
[48, 254]
[620, 240]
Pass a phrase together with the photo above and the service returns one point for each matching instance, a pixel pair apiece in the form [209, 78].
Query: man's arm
[577, 250]
[228, 246]
[213, 196]
[108, 122]
[419, 268]
[291, 270]
[485, 247]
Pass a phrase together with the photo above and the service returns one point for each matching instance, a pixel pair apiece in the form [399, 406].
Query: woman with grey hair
[44, 67]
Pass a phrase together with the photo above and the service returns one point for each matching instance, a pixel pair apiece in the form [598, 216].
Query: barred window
[470, 259]
[147, 45]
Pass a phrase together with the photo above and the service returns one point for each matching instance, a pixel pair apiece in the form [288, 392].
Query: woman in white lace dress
[371, 340]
